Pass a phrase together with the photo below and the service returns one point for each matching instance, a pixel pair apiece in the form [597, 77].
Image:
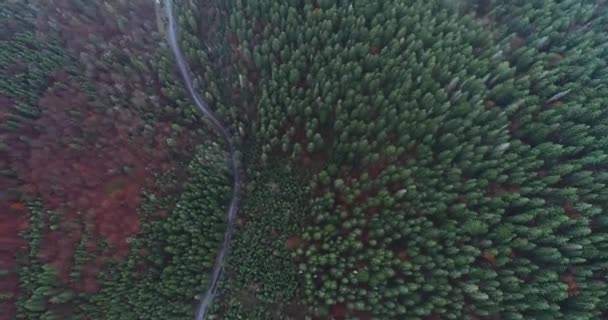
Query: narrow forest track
[236, 178]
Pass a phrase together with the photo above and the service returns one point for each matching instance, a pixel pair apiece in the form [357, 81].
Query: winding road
[236, 178]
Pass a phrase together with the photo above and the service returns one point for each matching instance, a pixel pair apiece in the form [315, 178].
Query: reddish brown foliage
[372, 211]
[259, 26]
[13, 218]
[315, 7]
[338, 311]
[90, 167]
[374, 51]
[293, 242]
[513, 127]
[5, 104]
[517, 42]
[18, 206]
[403, 256]
[570, 281]
[87, 165]
[71, 176]
[554, 104]
[363, 315]
[555, 59]
[489, 104]
[461, 198]
[570, 210]
[491, 258]
[433, 316]
[375, 169]
[495, 189]
[10, 244]
[364, 238]
[361, 264]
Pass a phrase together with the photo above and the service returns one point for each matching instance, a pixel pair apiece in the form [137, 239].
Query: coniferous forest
[396, 159]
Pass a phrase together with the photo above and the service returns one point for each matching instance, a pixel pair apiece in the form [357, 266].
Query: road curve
[236, 178]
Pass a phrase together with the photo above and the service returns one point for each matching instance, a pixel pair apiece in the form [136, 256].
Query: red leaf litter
[570, 280]
[338, 311]
[87, 165]
[13, 220]
[11, 224]
[90, 167]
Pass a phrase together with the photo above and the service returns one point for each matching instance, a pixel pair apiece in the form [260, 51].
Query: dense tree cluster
[219, 78]
[464, 152]
[26, 64]
[41, 290]
[84, 125]
[454, 155]
[261, 280]
[176, 253]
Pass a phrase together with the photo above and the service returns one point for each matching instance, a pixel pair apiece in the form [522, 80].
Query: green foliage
[42, 284]
[26, 62]
[62, 297]
[461, 153]
[179, 250]
[209, 59]
[37, 59]
[262, 280]
[6, 296]
[455, 157]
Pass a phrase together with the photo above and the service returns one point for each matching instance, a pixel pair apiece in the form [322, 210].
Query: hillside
[396, 159]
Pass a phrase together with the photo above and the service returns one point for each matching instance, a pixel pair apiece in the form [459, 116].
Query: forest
[395, 159]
